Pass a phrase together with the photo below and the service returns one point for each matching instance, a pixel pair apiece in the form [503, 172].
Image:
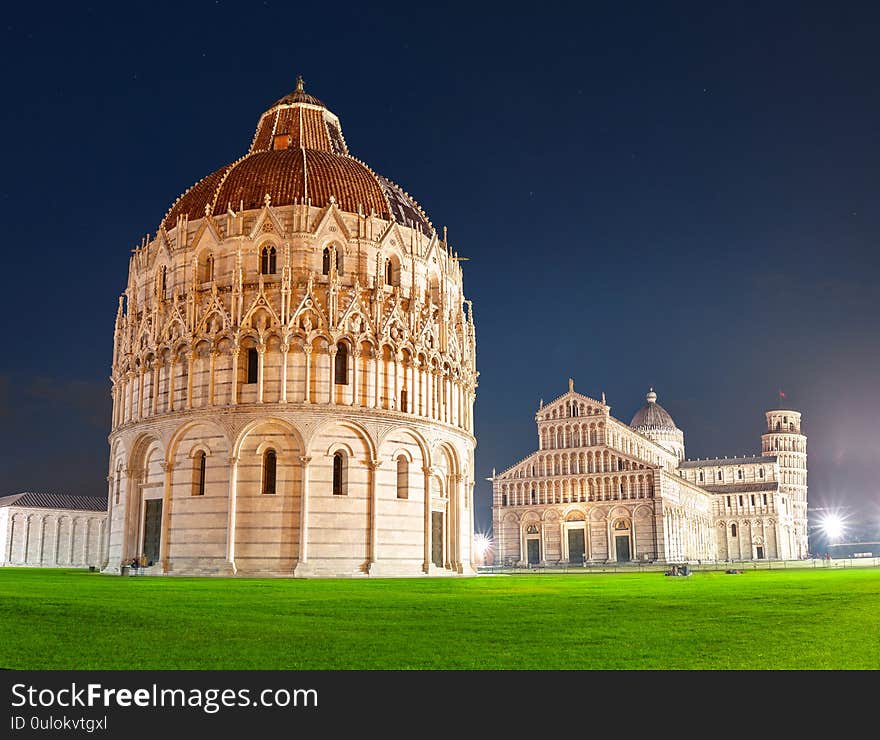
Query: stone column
[171, 381]
[373, 466]
[155, 376]
[129, 394]
[307, 354]
[233, 393]
[140, 402]
[304, 513]
[190, 360]
[42, 534]
[632, 525]
[284, 349]
[230, 528]
[56, 538]
[212, 370]
[355, 354]
[332, 350]
[261, 365]
[396, 403]
[376, 385]
[168, 467]
[426, 472]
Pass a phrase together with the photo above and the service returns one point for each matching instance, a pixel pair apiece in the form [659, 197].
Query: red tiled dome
[298, 153]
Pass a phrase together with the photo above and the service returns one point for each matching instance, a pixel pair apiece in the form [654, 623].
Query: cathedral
[598, 490]
[293, 373]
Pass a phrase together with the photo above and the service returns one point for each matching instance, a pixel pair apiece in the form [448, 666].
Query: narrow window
[270, 461]
[719, 475]
[404, 401]
[338, 471]
[340, 370]
[339, 263]
[163, 282]
[728, 502]
[739, 474]
[701, 476]
[325, 262]
[761, 472]
[402, 477]
[765, 499]
[252, 365]
[740, 500]
[733, 530]
[267, 260]
[209, 269]
[118, 482]
[504, 499]
[753, 499]
[199, 477]
[389, 273]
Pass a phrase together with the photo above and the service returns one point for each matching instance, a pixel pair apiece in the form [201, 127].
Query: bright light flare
[832, 526]
[482, 545]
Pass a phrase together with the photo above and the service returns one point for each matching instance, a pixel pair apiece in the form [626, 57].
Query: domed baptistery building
[293, 373]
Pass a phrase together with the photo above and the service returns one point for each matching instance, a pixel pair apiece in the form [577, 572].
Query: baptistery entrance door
[576, 546]
[152, 529]
[534, 551]
[437, 538]
[621, 546]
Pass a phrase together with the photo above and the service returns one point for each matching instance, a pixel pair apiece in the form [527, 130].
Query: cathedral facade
[598, 490]
[293, 373]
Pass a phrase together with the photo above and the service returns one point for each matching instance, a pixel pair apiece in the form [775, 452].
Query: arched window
[252, 365]
[733, 530]
[739, 474]
[163, 282]
[270, 464]
[504, 499]
[719, 475]
[701, 476]
[389, 272]
[209, 269]
[402, 477]
[199, 464]
[267, 260]
[339, 474]
[340, 369]
[403, 401]
[325, 261]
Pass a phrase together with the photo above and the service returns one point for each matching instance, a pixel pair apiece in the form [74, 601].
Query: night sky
[671, 195]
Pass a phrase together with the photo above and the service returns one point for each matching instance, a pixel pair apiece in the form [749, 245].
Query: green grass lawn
[794, 619]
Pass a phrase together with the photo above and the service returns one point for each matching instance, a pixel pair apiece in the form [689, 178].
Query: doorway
[152, 529]
[576, 546]
[437, 538]
[760, 552]
[621, 546]
[534, 551]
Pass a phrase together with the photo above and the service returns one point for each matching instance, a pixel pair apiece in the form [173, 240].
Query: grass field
[758, 620]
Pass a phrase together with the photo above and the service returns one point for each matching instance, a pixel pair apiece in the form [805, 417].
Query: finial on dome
[651, 397]
[299, 84]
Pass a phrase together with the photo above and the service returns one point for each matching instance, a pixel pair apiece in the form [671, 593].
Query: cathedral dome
[298, 154]
[652, 416]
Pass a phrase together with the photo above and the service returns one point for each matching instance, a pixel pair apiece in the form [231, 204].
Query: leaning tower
[783, 439]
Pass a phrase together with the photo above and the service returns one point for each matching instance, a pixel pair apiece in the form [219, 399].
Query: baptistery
[293, 373]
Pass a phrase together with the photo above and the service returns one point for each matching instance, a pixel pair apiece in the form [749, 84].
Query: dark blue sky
[672, 195]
